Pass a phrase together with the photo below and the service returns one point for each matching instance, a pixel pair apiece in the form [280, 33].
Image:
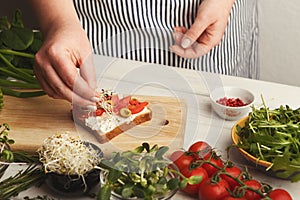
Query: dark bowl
[74, 185]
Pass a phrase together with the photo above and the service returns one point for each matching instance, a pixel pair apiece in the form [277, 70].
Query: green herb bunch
[18, 46]
[1, 98]
[32, 175]
[273, 135]
[142, 173]
[5, 154]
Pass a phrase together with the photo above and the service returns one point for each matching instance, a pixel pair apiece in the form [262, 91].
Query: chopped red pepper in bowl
[231, 103]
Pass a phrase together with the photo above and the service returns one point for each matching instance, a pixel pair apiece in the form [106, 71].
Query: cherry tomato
[279, 194]
[181, 160]
[234, 198]
[251, 194]
[235, 172]
[213, 190]
[211, 170]
[199, 171]
[201, 149]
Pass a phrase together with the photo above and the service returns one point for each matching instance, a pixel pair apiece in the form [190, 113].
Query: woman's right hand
[63, 65]
[56, 65]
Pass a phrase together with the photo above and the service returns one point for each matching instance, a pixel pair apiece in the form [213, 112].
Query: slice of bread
[123, 126]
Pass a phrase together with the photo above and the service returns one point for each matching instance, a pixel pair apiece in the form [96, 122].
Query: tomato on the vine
[209, 166]
[234, 198]
[236, 173]
[213, 190]
[181, 160]
[201, 150]
[279, 194]
[251, 194]
[199, 171]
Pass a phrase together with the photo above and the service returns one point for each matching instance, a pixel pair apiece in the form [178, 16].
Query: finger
[68, 73]
[44, 83]
[52, 83]
[48, 78]
[55, 87]
[210, 39]
[178, 34]
[193, 51]
[195, 31]
[88, 72]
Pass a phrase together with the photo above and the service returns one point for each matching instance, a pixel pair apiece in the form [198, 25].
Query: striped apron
[142, 30]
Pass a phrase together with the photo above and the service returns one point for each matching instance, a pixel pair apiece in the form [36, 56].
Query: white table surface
[129, 77]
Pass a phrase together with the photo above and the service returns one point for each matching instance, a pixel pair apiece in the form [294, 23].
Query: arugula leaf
[274, 136]
[286, 168]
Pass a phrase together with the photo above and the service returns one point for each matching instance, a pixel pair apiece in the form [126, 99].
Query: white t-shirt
[142, 30]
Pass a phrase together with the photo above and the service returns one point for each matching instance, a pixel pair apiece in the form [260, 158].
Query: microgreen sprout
[141, 173]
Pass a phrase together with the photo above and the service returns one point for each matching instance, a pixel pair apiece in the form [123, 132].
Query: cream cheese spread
[107, 122]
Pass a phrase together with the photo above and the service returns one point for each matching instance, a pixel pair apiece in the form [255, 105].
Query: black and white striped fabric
[142, 30]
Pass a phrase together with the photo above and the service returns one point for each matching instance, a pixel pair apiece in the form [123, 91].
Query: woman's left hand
[206, 32]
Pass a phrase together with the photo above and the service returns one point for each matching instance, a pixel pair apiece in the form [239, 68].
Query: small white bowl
[229, 112]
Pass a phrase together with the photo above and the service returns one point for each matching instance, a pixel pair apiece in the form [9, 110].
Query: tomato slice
[133, 102]
[99, 111]
[144, 103]
[135, 108]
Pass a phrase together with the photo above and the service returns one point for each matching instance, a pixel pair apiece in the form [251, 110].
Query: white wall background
[279, 23]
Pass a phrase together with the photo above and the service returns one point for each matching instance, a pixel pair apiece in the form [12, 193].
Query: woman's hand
[65, 49]
[206, 32]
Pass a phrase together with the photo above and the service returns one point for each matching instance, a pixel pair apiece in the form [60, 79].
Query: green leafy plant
[32, 175]
[273, 135]
[24, 179]
[5, 154]
[141, 173]
[1, 98]
[18, 46]
[5, 142]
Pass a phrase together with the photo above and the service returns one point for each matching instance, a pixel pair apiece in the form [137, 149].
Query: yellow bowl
[235, 138]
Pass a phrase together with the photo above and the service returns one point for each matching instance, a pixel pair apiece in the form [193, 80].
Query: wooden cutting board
[32, 120]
